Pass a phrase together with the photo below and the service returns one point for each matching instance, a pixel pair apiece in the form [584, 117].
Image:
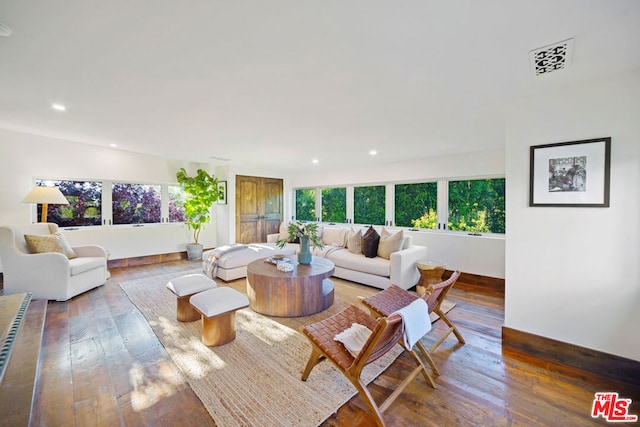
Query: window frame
[475, 233]
[316, 203]
[34, 208]
[114, 183]
[106, 202]
[321, 202]
[442, 204]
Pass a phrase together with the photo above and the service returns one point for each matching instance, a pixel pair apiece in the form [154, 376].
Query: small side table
[430, 273]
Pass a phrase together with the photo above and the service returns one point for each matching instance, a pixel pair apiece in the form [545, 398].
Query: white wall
[19, 166]
[471, 254]
[24, 157]
[573, 274]
[488, 163]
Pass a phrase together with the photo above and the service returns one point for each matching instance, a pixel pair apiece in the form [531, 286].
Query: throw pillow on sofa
[370, 241]
[390, 243]
[354, 241]
[56, 242]
[282, 233]
[334, 236]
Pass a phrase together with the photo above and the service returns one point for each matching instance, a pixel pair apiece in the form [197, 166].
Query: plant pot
[194, 251]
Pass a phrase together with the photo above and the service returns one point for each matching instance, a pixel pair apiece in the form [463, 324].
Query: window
[477, 205]
[85, 203]
[334, 205]
[126, 203]
[306, 204]
[369, 205]
[176, 204]
[136, 203]
[416, 205]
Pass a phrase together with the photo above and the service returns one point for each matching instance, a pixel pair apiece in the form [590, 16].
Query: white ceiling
[284, 81]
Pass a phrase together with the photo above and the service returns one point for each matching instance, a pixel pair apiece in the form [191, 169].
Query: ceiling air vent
[551, 58]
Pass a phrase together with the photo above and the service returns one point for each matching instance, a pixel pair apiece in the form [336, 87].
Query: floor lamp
[45, 196]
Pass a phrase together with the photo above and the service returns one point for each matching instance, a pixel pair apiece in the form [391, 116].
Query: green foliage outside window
[428, 220]
[369, 205]
[416, 205]
[177, 198]
[85, 203]
[477, 205]
[334, 205]
[136, 203]
[306, 204]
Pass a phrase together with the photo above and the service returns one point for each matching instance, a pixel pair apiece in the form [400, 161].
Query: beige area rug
[254, 380]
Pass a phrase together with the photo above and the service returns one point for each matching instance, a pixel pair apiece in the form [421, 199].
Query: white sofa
[378, 272]
[52, 275]
[400, 269]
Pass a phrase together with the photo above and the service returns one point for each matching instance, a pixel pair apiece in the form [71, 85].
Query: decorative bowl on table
[285, 266]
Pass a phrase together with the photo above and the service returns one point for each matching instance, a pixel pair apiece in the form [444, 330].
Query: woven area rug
[255, 379]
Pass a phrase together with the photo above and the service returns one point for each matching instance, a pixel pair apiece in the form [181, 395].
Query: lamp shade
[49, 195]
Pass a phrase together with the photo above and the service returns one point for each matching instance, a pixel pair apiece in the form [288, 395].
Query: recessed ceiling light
[315, 161]
[373, 152]
[58, 107]
[113, 145]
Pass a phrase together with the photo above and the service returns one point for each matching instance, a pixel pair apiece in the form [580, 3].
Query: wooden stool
[184, 287]
[218, 308]
[430, 274]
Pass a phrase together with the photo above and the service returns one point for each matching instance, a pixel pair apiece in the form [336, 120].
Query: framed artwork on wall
[222, 192]
[570, 174]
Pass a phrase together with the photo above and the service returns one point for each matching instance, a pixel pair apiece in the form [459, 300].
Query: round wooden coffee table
[305, 290]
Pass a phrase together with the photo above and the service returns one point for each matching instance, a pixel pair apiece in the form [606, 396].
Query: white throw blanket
[354, 338]
[331, 248]
[211, 263]
[415, 318]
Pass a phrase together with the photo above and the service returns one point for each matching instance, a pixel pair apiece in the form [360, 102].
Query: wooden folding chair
[394, 298]
[386, 333]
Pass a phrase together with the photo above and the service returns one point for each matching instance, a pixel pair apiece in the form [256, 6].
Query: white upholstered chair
[50, 275]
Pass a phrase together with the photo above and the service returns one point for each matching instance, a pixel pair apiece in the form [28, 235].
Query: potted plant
[306, 233]
[201, 193]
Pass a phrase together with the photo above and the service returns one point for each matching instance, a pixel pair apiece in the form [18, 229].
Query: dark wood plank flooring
[101, 365]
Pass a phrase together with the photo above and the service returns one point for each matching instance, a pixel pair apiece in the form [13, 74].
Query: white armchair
[49, 275]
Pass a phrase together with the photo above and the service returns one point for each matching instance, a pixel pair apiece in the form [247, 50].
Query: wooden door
[258, 208]
[272, 206]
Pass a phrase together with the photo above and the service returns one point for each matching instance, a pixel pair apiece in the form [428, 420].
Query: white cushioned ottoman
[184, 287]
[218, 308]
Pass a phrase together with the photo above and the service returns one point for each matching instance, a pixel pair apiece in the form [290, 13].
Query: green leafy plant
[301, 229]
[428, 220]
[201, 193]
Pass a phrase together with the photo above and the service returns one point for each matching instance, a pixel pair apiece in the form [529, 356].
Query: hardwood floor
[102, 365]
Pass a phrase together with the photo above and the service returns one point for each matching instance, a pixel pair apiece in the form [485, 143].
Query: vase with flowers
[306, 233]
